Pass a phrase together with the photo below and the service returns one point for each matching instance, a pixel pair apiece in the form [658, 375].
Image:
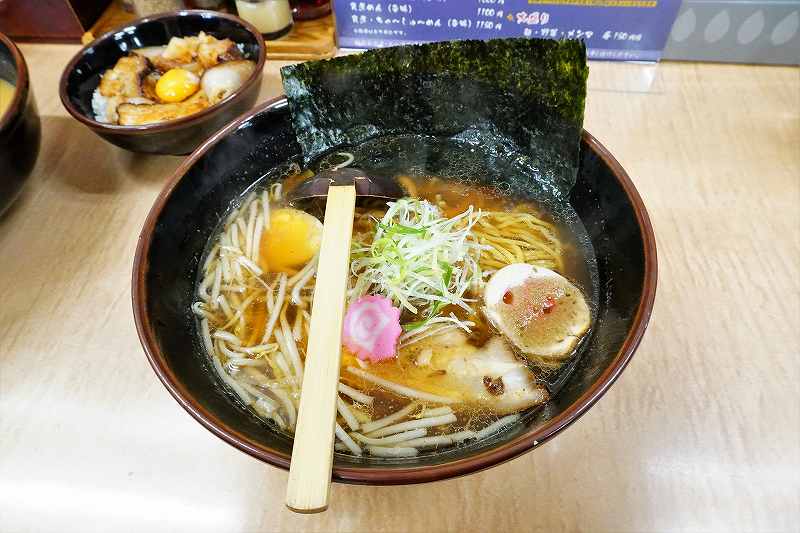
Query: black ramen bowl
[189, 209]
[179, 136]
[20, 129]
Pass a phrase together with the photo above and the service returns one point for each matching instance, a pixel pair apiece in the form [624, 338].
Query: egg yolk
[292, 239]
[176, 85]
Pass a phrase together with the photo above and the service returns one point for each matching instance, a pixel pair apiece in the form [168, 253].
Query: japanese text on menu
[611, 25]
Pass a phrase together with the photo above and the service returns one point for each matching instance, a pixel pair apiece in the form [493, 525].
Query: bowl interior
[8, 67]
[164, 286]
[103, 53]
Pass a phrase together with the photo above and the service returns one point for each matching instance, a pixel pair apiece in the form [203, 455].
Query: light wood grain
[700, 433]
[114, 16]
[308, 39]
[312, 453]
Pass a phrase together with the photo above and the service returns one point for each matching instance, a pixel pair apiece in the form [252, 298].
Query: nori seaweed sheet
[520, 99]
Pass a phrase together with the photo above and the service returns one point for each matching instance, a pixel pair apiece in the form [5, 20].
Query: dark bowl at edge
[20, 127]
[180, 136]
[199, 193]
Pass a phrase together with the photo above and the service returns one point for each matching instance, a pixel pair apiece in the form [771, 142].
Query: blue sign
[630, 30]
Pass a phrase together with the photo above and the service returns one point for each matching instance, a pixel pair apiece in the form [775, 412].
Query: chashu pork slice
[448, 365]
[125, 79]
[139, 114]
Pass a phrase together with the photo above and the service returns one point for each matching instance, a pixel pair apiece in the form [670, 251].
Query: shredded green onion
[421, 260]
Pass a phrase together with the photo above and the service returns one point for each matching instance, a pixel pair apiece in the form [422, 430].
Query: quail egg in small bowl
[163, 84]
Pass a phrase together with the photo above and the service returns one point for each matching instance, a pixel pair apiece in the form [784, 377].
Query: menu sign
[628, 30]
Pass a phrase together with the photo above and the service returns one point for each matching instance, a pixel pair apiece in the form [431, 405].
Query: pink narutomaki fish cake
[371, 328]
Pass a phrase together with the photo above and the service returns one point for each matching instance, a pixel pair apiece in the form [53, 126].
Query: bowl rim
[22, 86]
[392, 475]
[170, 124]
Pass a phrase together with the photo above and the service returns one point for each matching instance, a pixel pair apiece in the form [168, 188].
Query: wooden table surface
[701, 433]
[308, 39]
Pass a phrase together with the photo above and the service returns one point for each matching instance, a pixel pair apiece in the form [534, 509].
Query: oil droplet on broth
[469, 416]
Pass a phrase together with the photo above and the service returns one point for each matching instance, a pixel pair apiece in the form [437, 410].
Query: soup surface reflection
[427, 361]
[6, 95]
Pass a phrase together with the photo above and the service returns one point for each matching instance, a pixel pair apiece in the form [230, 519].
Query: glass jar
[144, 8]
[273, 18]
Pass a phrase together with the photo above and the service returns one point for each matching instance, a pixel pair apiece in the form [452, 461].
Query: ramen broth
[254, 303]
